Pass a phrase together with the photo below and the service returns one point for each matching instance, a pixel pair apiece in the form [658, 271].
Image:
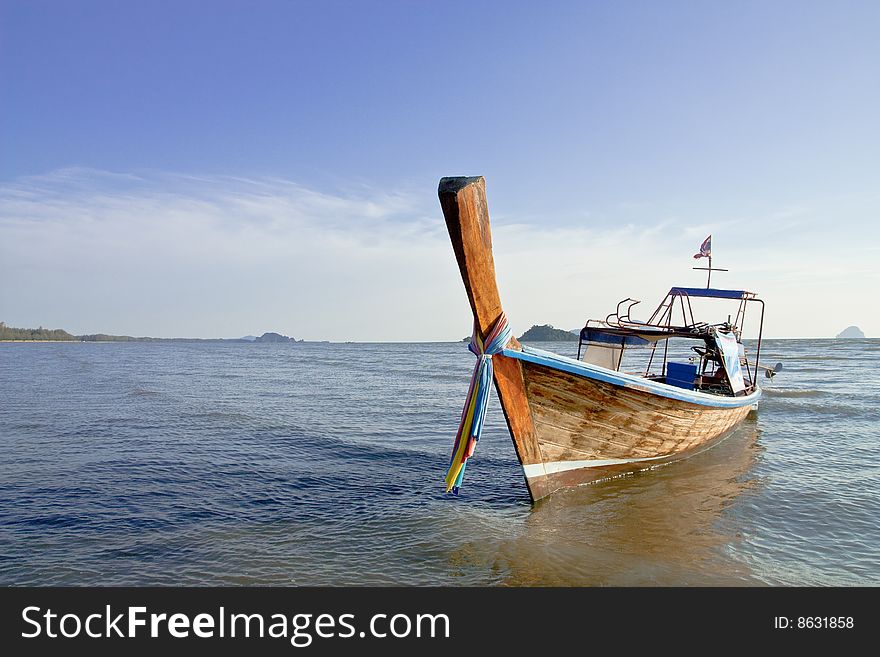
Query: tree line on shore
[12, 333]
[59, 335]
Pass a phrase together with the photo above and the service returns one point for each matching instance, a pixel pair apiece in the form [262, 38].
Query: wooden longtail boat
[575, 421]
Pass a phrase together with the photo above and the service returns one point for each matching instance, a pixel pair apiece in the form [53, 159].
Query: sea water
[323, 464]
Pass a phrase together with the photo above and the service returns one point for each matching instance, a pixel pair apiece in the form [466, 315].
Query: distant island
[547, 333]
[274, 337]
[851, 332]
[10, 333]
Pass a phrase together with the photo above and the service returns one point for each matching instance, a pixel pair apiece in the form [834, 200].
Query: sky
[224, 168]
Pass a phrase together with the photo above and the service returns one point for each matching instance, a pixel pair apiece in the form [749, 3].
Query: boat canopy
[619, 337]
[605, 345]
[712, 293]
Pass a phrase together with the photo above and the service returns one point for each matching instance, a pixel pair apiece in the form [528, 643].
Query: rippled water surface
[182, 463]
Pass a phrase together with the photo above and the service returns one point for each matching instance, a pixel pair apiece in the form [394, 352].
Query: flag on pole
[705, 249]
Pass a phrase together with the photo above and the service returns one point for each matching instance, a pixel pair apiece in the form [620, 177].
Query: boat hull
[587, 429]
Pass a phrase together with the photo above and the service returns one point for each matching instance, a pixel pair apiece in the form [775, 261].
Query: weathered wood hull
[586, 429]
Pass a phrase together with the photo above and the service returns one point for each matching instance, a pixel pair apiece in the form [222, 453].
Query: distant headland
[547, 333]
[851, 332]
[275, 337]
[12, 334]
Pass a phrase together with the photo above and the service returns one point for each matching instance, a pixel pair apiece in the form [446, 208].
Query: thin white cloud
[186, 255]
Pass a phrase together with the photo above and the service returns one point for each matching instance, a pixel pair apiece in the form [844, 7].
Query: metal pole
[709, 279]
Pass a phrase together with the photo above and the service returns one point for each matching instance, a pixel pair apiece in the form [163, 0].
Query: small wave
[219, 415]
[842, 410]
[143, 392]
[819, 357]
[774, 392]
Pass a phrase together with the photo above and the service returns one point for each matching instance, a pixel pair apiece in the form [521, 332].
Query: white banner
[729, 348]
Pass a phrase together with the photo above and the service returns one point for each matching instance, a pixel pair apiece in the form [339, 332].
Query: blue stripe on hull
[578, 368]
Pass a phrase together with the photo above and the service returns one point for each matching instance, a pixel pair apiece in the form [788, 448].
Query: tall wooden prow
[464, 206]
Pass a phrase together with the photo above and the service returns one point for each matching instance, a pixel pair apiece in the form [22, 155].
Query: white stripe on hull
[542, 469]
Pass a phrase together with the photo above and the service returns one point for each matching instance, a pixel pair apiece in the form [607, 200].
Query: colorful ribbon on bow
[474, 411]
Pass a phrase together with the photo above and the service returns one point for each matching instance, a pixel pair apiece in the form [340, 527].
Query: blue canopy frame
[713, 293]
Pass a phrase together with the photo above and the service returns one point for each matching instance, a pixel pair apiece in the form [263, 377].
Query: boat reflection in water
[672, 525]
